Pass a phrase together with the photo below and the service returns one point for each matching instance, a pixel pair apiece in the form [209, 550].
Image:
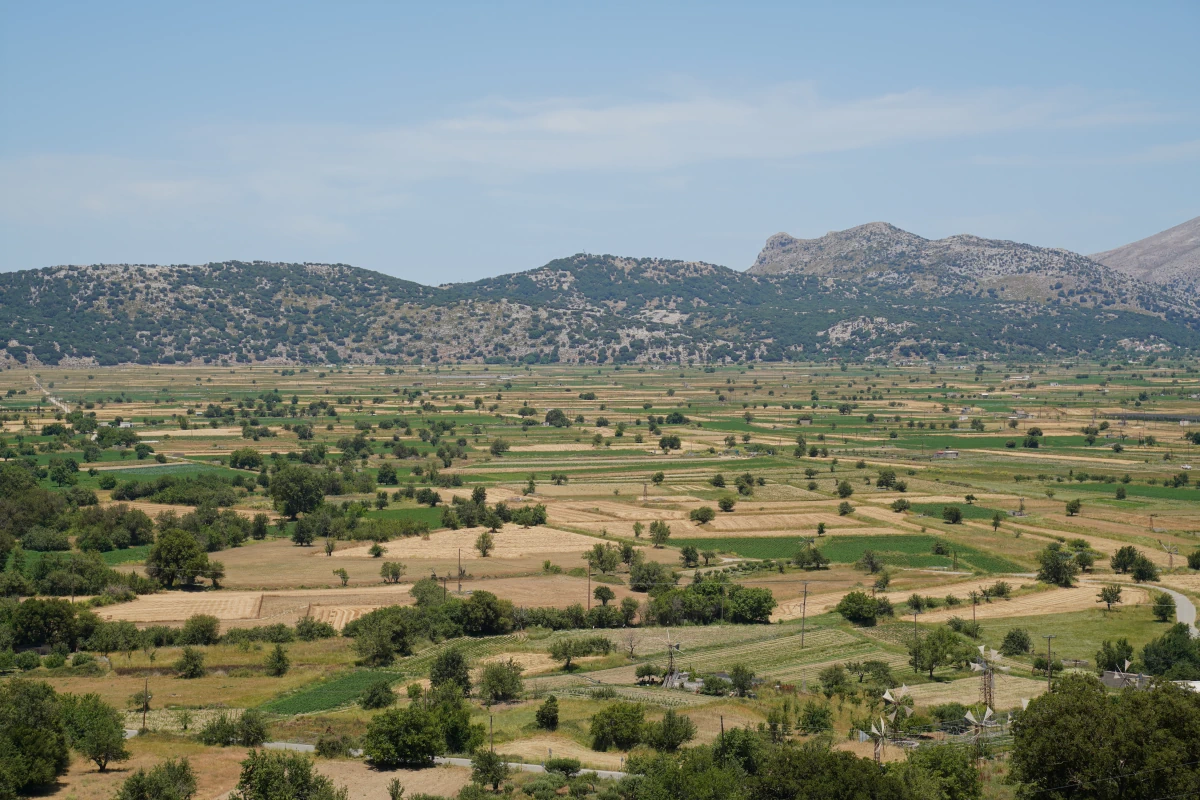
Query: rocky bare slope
[1169, 257]
[965, 263]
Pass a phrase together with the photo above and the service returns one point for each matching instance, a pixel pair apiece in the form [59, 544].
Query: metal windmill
[1171, 550]
[986, 665]
[879, 738]
[896, 700]
[1129, 680]
[672, 674]
[979, 726]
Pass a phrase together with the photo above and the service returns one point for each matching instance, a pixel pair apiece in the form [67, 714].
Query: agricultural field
[373, 524]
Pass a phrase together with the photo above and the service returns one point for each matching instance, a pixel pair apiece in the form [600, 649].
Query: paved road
[1185, 609]
[53, 400]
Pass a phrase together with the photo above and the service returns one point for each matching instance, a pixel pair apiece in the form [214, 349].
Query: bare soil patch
[217, 769]
[365, 783]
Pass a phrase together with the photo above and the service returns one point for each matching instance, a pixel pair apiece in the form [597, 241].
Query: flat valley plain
[952, 432]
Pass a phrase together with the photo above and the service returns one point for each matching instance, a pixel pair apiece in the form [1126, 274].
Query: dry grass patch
[215, 689]
[365, 783]
[1010, 690]
[1052, 601]
[217, 769]
[535, 749]
[512, 541]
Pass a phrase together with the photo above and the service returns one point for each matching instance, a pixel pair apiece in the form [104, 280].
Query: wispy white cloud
[1171, 153]
[310, 177]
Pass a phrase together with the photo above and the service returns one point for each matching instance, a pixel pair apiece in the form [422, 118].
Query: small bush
[200, 629]
[547, 714]
[377, 695]
[1017, 642]
[309, 630]
[190, 664]
[27, 660]
[1164, 607]
[564, 766]
[333, 746]
[220, 731]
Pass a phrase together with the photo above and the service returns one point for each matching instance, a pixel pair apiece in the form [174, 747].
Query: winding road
[1185, 609]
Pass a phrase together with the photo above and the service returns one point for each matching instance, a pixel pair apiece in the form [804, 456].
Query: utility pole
[589, 589]
[145, 701]
[460, 570]
[803, 614]
[492, 731]
[1049, 671]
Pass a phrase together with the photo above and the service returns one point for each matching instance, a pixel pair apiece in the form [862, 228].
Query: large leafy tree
[176, 557]
[33, 742]
[403, 737]
[296, 490]
[451, 667]
[938, 648]
[1057, 565]
[1078, 741]
[95, 729]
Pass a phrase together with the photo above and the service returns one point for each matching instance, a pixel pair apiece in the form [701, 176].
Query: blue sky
[450, 141]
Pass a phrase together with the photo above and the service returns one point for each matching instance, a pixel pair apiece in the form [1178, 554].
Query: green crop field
[969, 511]
[165, 469]
[430, 516]
[334, 693]
[126, 556]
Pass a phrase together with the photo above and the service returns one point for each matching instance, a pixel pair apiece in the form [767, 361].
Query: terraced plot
[899, 550]
[326, 695]
[782, 659]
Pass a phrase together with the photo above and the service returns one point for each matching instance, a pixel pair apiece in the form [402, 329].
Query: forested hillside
[586, 308]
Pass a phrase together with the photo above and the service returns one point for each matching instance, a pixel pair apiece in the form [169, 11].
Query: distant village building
[946, 454]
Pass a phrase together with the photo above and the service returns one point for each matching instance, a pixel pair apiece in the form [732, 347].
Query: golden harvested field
[337, 606]
[512, 541]
[1010, 690]
[1051, 601]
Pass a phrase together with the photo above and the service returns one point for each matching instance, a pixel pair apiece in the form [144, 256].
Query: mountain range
[873, 291]
[1170, 257]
